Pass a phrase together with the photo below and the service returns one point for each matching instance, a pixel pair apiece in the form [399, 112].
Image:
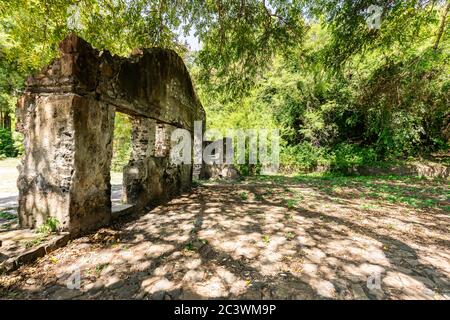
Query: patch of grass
[11, 294]
[196, 183]
[258, 197]
[373, 194]
[189, 247]
[33, 243]
[291, 204]
[50, 226]
[300, 197]
[288, 216]
[368, 206]
[7, 216]
[412, 191]
[289, 235]
[6, 226]
[243, 195]
[413, 202]
[266, 239]
[100, 267]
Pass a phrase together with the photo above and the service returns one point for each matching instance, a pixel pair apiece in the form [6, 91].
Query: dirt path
[9, 192]
[8, 183]
[279, 238]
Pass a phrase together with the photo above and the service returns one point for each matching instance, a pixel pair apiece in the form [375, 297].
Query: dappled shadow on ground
[270, 239]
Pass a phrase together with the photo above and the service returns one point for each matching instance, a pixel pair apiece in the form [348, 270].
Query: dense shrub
[345, 156]
[341, 157]
[122, 142]
[304, 156]
[389, 102]
[7, 147]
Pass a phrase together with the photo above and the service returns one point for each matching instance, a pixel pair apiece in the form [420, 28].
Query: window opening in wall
[121, 155]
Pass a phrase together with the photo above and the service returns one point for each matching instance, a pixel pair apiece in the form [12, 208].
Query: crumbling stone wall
[67, 117]
[224, 170]
[149, 177]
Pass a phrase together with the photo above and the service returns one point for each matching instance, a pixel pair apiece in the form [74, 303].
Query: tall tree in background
[312, 67]
[238, 36]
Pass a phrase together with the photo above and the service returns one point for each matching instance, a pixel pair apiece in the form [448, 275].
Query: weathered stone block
[65, 171]
[67, 117]
[149, 177]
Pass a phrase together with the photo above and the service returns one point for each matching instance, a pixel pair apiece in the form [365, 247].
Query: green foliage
[189, 247]
[122, 142]
[7, 147]
[243, 195]
[196, 183]
[7, 216]
[291, 204]
[33, 243]
[412, 191]
[50, 226]
[289, 236]
[346, 156]
[238, 38]
[342, 94]
[349, 96]
[100, 267]
[303, 156]
[403, 22]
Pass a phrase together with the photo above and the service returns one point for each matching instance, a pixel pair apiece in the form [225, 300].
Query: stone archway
[67, 117]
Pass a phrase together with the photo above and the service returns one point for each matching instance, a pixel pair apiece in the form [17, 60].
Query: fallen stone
[32, 254]
[67, 294]
[194, 276]
[190, 295]
[155, 285]
[358, 292]
[114, 282]
[378, 294]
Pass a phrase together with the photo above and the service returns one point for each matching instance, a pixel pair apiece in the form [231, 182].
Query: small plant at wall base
[50, 226]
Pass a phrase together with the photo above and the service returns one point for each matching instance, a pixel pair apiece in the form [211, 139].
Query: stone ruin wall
[67, 117]
[149, 174]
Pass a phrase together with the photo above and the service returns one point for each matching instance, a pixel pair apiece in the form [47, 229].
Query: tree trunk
[7, 121]
[442, 27]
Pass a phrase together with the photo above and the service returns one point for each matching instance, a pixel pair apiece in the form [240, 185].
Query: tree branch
[442, 27]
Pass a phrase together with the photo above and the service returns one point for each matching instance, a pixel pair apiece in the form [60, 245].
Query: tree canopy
[316, 69]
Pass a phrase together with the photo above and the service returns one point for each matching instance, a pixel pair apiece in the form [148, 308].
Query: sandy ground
[8, 183]
[9, 191]
[273, 238]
